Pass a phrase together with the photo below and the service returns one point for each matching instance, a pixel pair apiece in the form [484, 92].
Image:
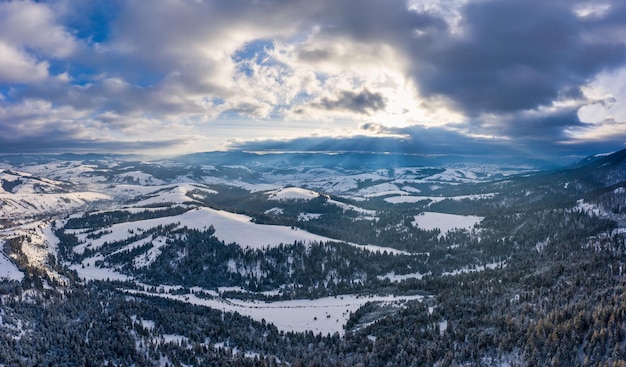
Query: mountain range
[305, 258]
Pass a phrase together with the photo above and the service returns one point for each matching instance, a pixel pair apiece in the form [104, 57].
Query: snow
[445, 222]
[23, 205]
[146, 324]
[588, 208]
[435, 199]
[370, 214]
[305, 217]
[8, 270]
[396, 278]
[40, 243]
[173, 338]
[443, 326]
[275, 211]
[382, 249]
[243, 185]
[323, 315]
[603, 154]
[139, 177]
[413, 199]
[171, 194]
[475, 269]
[380, 190]
[292, 193]
[149, 257]
[74, 172]
[411, 189]
[92, 272]
[229, 227]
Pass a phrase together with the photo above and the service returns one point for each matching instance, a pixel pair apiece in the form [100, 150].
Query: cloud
[26, 24]
[38, 126]
[58, 144]
[362, 102]
[517, 55]
[409, 140]
[29, 34]
[518, 71]
[20, 67]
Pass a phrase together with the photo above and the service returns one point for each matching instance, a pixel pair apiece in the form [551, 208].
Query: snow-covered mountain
[325, 246]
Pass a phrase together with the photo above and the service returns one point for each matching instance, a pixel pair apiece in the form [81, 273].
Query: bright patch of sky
[175, 77]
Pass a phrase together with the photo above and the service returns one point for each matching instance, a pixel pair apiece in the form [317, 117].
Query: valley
[314, 259]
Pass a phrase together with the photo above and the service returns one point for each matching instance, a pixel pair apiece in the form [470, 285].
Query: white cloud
[20, 67]
[607, 130]
[607, 94]
[29, 34]
[34, 25]
[198, 68]
[590, 9]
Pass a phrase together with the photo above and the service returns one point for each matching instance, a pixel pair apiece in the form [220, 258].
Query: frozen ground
[26, 205]
[229, 227]
[323, 315]
[434, 199]
[445, 222]
[292, 193]
[8, 270]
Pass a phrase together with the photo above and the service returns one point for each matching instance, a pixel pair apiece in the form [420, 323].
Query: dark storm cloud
[379, 21]
[363, 102]
[530, 127]
[413, 140]
[417, 140]
[506, 59]
[518, 55]
[77, 71]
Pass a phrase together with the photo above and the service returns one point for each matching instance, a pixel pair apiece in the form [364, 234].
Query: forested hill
[237, 259]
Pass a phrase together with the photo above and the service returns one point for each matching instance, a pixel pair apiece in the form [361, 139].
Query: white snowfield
[295, 193]
[140, 178]
[445, 222]
[292, 193]
[435, 199]
[76, 172]
[397, 278]
[380, 190]
[176, 194]
[241, 184]
[229, 227]
[326, 315]
[476, 269]
[40, 244]
[26, 183]
[27, 205]
[8, 270]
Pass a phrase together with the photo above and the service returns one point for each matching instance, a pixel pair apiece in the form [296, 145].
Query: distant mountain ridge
[344, 160]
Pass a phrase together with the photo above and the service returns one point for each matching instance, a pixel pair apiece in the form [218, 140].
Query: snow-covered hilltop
[320, 247]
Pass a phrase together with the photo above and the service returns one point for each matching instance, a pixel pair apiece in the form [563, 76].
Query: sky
[523, 77]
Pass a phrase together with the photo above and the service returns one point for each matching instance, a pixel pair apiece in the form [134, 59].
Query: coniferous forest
[538, 280]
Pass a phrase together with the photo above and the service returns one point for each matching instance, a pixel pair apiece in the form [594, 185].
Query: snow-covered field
[445, 222]
[323, 315]
[176, 194]
[229, 227]
[40, 244]
[8, 270]
[292, 193]
[475, 269]
[396, 278]
[26, 205]
[435, 199]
